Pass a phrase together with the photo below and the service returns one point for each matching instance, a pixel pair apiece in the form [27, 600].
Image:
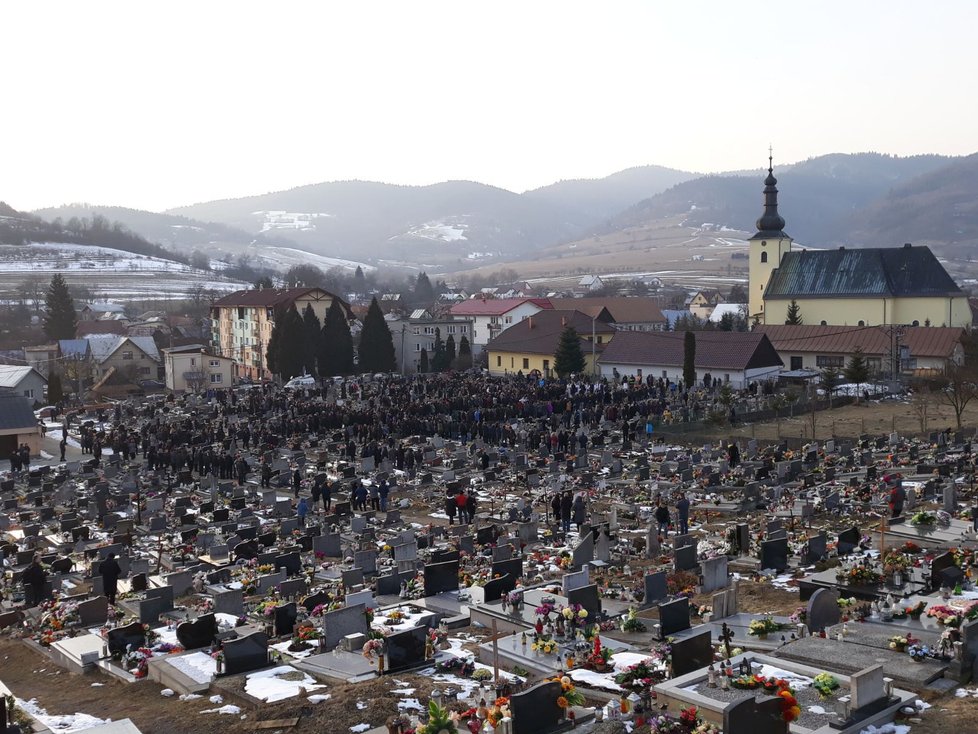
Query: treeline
[98, 231]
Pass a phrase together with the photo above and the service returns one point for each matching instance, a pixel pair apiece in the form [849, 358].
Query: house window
[512, 362]
[127, 355]
[241, 313]
[862, 323]
[824, 322]
[526, 363]
[417, 346]
[796, 363]
[509, 319]
[665, 375]
[726, 377]
[216, 378]
[600, 339]
[763, 257]
[29, 394]
[417, 330]
[215, 363]
[499, 360]
[144, 370]
[825, 360]
[546, 365]
[193, 362]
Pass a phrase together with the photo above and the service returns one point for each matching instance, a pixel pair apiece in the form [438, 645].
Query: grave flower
[764, 626]
[923, 519]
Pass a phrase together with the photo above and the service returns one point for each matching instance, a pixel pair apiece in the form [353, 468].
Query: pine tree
[831, 379]
[464, 354]
[60, 321]
[264, 283]
[857, 371]
[689, 359]
[55, 389]
[438, 363]
[423, 364]
[376, 343]
[794, 314]
[424, 293]
[285, 352]
[569, 359]
[359, 281]
[336, 343]
[450, 352]
[311, 336]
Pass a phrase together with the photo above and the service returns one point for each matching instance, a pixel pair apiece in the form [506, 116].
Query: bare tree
[959, 389]
[922, 398]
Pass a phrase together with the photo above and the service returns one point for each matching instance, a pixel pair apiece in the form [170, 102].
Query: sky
[153, 105]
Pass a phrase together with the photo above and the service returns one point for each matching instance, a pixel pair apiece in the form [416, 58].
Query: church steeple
[771, 223]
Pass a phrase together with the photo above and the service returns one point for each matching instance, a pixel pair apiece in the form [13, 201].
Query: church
[874, 286]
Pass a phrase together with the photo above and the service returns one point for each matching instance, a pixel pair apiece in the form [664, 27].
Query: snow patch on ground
[270, 685]
[61, 723]
[229, 709]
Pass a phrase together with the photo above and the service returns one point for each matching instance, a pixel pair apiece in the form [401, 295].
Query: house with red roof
[491, 316]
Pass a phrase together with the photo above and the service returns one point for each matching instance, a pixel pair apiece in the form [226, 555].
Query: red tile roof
[733, 350]
[923, 341]
[494, 306]
[538, 334]
[265, 296]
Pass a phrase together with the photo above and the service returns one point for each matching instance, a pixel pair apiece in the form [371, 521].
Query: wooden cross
[883, 529]
[725, 636]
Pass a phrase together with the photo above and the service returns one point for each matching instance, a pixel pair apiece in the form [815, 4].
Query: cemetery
[795, 599]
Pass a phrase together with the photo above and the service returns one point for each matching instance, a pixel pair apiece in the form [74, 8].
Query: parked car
[302, 381]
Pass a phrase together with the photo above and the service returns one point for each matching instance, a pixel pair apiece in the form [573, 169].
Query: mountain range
[860, 199]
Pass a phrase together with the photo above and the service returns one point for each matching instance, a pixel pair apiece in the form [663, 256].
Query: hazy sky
[157, 104]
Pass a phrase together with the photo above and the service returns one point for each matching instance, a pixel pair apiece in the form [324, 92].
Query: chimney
[530, 321]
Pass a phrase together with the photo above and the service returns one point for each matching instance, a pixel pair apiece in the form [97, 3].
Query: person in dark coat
[662, 517]
[682, 510]
[566, 504]
[296, 482]
[33, 579]
[451, 508]
[580, 511]
[555, 506]
[110, 571]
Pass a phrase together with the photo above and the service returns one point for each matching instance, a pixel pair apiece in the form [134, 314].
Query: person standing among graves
[470, 505]
[682, 510]
[63, 444]
[662, 518]
[555, 506]
[327, 495]
[296, 482]
[15, 461]
[266, 475]
[301, 510]
[460, 501]
[110, 571]
[316, 492]
[374, 497]
[451, 508]
[566, 507]
[241, 468]
[383, 491]
[897, 497]
[579, 510]
[33, 579]
[360, 496]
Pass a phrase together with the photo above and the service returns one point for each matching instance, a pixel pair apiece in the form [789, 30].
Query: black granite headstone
[246, 653]
[285, 616]
[774, 554]
[674, 616]
[692, 653]
[535, 711]
[201, 632]
[440, 577]
[757, 716]
[406, 650]
[120, 638]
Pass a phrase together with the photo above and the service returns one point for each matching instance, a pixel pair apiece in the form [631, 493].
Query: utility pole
[594, 362]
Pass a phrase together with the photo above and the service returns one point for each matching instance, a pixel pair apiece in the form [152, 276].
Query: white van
[302, 381]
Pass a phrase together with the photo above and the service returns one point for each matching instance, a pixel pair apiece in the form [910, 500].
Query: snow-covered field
[439, 231]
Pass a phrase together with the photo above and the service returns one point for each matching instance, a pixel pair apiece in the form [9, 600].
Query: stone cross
[726, 634]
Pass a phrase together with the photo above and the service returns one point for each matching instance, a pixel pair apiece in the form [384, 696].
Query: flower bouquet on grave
[631, 622]
[544, 645]
[569, 695]
[303, 638]
[374, 649]
[910, 548]
[895, 561]
[641, 676]
[462, 667]
[825, 684]
[600, 657]
[919, 653]
[574, 615]
[945, 615]
[899, 643]
[923, 519]
[799, 616]
[439, 720]
[859, 575]
[763, 627]
[135, 661]
[395, 616]
[266, 607]
[963, 557]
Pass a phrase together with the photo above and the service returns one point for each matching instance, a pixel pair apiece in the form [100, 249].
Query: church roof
[876, 272]
[771, 223]
[732, 350]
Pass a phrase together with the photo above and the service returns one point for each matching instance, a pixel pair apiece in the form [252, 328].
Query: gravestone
[291, 562]
[339, 623]
[943, 571]
[848, 541]
[285, 616]
[743, 538]
[685, 558]
[495, 588]
[292, 588]
[229, 602]
[692, 653]
[583, 552]
[93, 611]
[674, 616]
[367, 560]
[571, 581]
[351, 577]
[314, 600]
[588, 597]
[822, 610]
[150, 610]
[406, 650]
[406, 552]
[329, 545]
[440, 577]
[246, 653]
[513, 567]
[866, 687]
[774, 554]
[365, 597]
[652, 545]
[164, 594]
[120, 638]
[755, 716]
[817, 548]
[714, 572]
[201, 632]
[536, 711]
[655, 588]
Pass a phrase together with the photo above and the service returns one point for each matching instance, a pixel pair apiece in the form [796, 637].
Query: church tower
[767, 246]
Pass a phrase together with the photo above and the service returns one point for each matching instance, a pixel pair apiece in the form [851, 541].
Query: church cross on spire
[770, 159]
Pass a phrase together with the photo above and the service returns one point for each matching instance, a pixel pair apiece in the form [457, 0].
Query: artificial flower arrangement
[682, 583]
[641, 676]
[303, 637]
[395, 616]
[950, 617]
[799, 616]
[439, 721]
[910, 548]
[899, 642]
[462, 667]
[895, 561]
[918, 653]
[266, 607]
[599, 657]
[825, 683]
[135, 661]
[790, 710]
[764, 626]
[545, 645]
[859, 576]
[845, 603]
[923, 519]
[569, 695]
[632, 623]
[573, 614]
[482, 674]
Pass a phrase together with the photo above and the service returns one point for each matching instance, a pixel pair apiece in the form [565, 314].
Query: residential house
[491, 316]
[733, 357]
[631, 313]
[92, 328]
[193, 368]
[25, 381]
[133, 358]
[102, 311]
[417, 333]
[589, 283]
[76, 363]
[702, 302]
[737, 311]
[41, 357]
[922, 351]
[529, 345]
[242, 323]
[18, 425]
[847, 287]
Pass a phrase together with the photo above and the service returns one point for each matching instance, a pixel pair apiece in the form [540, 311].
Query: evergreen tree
[60, 321]
[285, 352]
[264, 283]
[689, 359]
[55, 389]
[831, 379]
[376, 343]
[423, 364]
[450, 352]
[424, 293]
[794, 314]
[727, 322]
[438, 362]
[359, 281]
[336, 343]
[464, 354]
[312, 334]
[857, 371]
[569, 359]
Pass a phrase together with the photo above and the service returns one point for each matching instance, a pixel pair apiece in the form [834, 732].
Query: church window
[763, 257]
[862, 323]
[916, 323]
[764, 243]
[824, 322]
